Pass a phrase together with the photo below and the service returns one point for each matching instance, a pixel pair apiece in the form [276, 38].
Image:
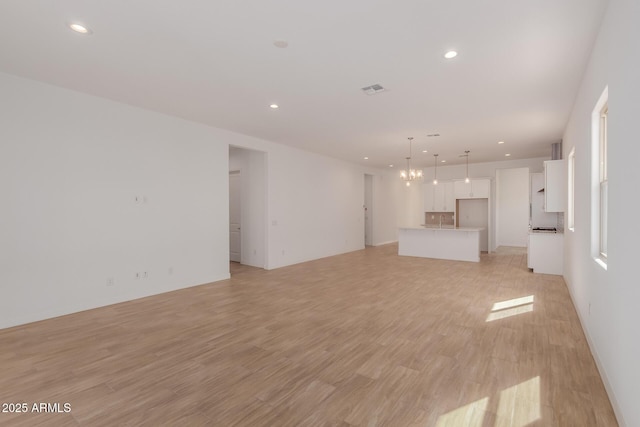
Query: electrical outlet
[110, 281]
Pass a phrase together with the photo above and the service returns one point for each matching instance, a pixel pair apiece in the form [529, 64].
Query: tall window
[599, 177]
[571, 175]
[604, 183]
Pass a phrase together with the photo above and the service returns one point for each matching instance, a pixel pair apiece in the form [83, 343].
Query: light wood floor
[365, 338]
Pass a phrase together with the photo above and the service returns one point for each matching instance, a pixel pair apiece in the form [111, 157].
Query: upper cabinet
[439, 197]
[448, 201]
[555, 185]
[429, 197]
[475, 189]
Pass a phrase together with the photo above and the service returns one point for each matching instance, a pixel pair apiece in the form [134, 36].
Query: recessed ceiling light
[274, 106]
[451, 54]
[390, 166]
[80, 29]
[280, 43]
[443, 161]
[500, 142]
[424, 151]
[507, 155]
[366, 158]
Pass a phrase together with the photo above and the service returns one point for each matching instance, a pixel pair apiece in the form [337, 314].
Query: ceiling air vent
[373, 89]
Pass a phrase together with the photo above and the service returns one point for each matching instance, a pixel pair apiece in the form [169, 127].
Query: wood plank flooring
[362, 339]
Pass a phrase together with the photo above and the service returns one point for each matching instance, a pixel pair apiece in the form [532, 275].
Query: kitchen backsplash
[433, 218]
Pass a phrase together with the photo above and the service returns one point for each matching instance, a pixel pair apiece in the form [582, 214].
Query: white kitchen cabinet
[480, 188]
[475, 189]
[545, 253]
[461, 189]
[439, 197]
[429, 197]
[555, 185]
[449, 201]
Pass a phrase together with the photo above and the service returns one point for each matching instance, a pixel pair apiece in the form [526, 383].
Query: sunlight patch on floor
[512, 307]
[470, 415]
[512, 303]
[520, 404]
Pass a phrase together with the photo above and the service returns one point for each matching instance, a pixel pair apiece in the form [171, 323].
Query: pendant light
[435, 170]
[410, 174]
[466, 154]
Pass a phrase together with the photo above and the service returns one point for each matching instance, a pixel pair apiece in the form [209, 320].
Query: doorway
[512, 206]
[368, 210]
[247, 209]
[235, 219]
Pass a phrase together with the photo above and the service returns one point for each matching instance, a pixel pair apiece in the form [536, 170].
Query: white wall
[475, 213]
[607, 301]
[410, 210]
[388, 191]
[71, 166]
[315, 207]
[512, 206]
[314, 203]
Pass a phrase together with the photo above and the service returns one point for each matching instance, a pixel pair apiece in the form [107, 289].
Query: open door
[235, 238]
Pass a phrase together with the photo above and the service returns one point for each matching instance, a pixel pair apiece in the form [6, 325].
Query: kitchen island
[454, 243]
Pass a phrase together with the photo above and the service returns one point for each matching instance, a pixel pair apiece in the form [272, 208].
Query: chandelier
[409, 174]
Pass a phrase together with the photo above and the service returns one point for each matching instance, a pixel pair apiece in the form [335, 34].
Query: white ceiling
[213, 61]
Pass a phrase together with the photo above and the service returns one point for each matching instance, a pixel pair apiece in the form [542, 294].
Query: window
[604, 183]
[571, 178]
[599, 176]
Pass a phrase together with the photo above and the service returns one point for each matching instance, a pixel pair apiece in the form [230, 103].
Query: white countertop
[444, 228]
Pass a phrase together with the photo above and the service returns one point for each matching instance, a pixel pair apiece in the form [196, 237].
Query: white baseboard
[385, 243]
[84, 305]
[603, 373]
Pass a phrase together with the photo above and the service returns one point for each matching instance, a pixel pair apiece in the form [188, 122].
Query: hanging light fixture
[435, 170]
[409, 174]
[466, 154]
